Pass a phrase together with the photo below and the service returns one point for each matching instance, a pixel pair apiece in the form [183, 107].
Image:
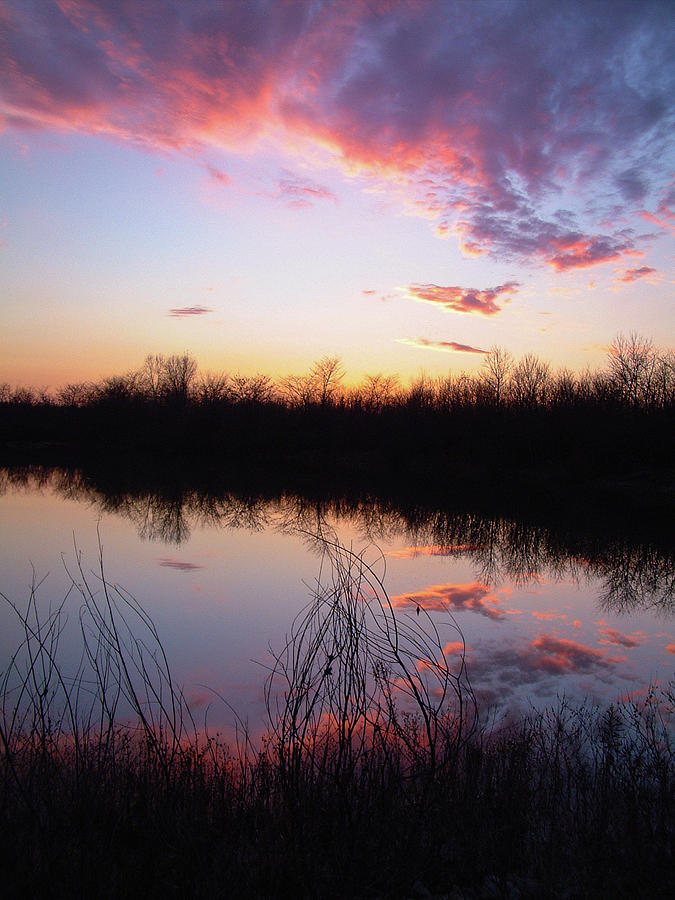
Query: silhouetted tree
[327, 373]
[421, 393]
[564, 388]
[529, 380]
[117, 390]
[298, 390]
[641, 374]
[251, 388]
[151, 376]
[212, 388]
[379, 390]
[664, 378]
[77, 394]
[179, 375]
[497, 363]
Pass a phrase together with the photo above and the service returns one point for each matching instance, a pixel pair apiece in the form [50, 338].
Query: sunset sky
[401, 184]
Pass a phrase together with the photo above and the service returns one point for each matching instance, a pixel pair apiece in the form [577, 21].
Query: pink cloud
[498, 669]
[302, 193]
[519, 129]
[178, 564]
[470, 597]
[670, 648]
[217, 176]
[447, 346]
[453, 647]
[577, 251]
[187, 311]
[554, 654]
[467, 300]
[548, 616]
[432, 550]
[633, 274]
[666, 215]
[612, 636]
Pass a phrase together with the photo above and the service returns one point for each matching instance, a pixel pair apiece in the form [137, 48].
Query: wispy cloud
[187, 311]
[548, 616]
[432, 550]
[465, 300]
[178, 564]
[612, 636]
[301, 193]
[217, 176]
[523, 129]
[629, 275]
[447, 346]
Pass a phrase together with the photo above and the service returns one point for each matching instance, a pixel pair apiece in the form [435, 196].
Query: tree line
[637, 374]
[516, 429]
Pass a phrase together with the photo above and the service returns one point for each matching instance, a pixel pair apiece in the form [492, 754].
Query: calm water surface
[223, 578]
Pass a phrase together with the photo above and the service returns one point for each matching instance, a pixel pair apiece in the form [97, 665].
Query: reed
[376, 777]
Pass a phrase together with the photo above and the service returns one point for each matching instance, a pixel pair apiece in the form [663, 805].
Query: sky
[401, 184]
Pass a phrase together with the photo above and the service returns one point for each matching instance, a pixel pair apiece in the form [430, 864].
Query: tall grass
[375, 777]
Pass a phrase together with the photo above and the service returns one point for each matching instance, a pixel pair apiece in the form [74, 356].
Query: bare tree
[118, 389]
[632, 367]
[379, 390]
[498, 363]
[163, 377]
[77, 394]
[461, 391]
[564, 388]
[298, 390]
[327, 373]
[529, 380]
[151, 376]
[422, 392]
[212, 387]
[251, 388]
[179, 374]
[24, 396]
[664, 378]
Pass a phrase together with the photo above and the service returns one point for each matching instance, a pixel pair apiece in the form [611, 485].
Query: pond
[535, 615]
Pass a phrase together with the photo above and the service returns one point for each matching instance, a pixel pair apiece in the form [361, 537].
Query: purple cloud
[525, 129]
[469, 597]
[613, 636]
[499, 670]
[186, 311]
[467, 300]
[178, 564]
[633, 274]
[301, 193]
[448, 346]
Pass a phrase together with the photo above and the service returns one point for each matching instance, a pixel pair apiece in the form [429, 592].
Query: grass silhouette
[376, 777]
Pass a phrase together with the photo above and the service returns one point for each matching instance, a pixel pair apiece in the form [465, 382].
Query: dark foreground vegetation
[377, 776]
[515, 429]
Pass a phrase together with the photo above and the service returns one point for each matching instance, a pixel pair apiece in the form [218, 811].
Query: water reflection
[634, 574]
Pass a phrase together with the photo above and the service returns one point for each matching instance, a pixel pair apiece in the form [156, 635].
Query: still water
[223, 576]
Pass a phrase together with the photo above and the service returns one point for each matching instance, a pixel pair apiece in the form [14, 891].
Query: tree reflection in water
[634, 573]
